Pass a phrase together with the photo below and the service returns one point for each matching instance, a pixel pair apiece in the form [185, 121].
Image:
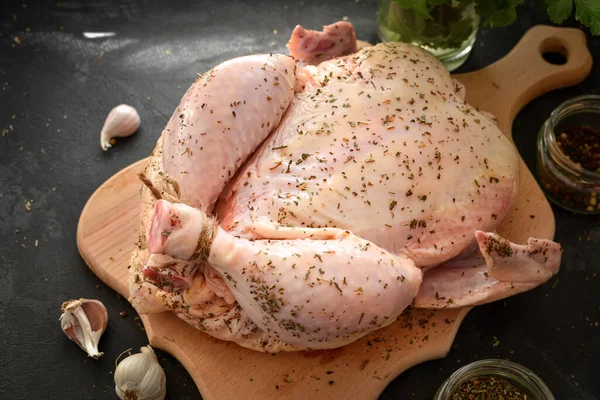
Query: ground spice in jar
[488, 388]
[581, 144]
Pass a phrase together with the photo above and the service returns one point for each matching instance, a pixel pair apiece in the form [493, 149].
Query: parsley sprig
[504, 12]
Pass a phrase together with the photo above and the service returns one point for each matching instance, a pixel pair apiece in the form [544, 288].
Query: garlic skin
[140, 377]
[84, 322]
[122, 121]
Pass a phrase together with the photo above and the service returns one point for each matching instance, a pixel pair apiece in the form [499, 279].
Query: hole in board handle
[554, 57]
[554, 51]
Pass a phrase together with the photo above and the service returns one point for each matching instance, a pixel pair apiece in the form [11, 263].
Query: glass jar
[449, 34]
[517, 375]
[564, 182]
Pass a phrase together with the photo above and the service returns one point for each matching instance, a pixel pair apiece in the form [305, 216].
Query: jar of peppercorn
[493, 379]
[568, 155]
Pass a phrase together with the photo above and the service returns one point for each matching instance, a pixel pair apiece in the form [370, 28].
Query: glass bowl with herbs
[445, 29]
[493, 379]
[448, 28]
[568, 155]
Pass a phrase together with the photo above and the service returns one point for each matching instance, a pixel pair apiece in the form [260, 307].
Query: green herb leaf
[419, 6]
[399, 25]
[431, 3]
[588, 13]
[450, 2]
[460, 31]
[559, 10]
[498, 12]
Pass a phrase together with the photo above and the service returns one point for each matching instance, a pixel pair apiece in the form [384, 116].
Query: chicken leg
[222, 119]
[307, 293]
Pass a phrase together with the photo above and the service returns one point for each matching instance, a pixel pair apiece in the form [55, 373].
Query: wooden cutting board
[110, 220]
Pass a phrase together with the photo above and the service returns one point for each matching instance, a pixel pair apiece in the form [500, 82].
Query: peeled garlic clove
[140, 377]
[84, 322]
[122, 121]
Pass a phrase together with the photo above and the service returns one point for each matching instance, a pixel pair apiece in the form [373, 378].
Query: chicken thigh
[291, 206]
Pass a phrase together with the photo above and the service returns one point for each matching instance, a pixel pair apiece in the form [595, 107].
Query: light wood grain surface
[107, 234]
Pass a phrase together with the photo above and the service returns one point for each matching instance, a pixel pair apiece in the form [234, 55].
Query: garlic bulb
[84, 322]
[140, 377]
[122, 121]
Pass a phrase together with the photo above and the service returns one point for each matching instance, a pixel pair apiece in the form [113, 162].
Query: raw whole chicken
[303, 201]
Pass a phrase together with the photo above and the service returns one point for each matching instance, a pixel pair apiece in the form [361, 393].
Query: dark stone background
[54, 96]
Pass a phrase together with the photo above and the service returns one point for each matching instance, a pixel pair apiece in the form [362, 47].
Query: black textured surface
[55, 93]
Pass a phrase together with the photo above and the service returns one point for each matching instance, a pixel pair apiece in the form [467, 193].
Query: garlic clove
[140, 377]
[122, 121]
[84, 322]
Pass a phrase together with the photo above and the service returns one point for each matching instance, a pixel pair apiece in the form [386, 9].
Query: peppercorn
[581, 145]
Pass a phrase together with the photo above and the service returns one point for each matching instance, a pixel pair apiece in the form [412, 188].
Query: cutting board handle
[523, 74]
